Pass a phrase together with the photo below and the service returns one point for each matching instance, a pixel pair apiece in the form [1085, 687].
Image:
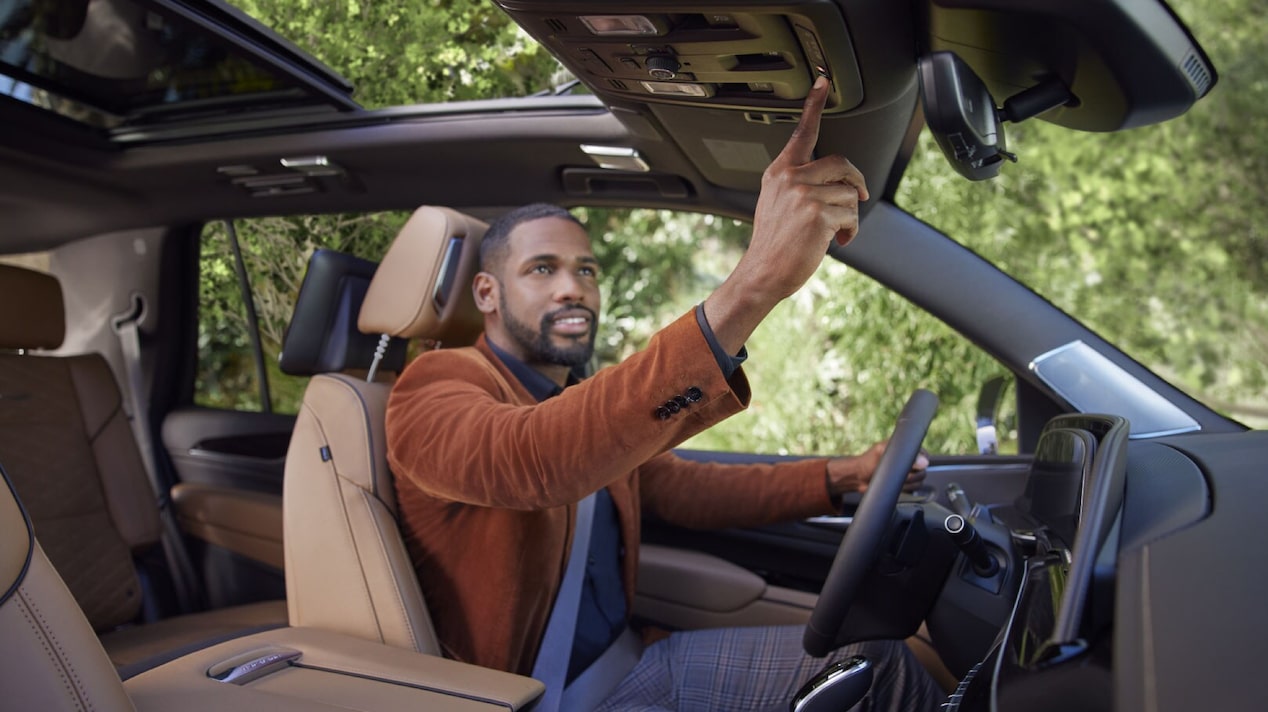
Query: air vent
[556, 26]
[1195, 69]
[618, 84]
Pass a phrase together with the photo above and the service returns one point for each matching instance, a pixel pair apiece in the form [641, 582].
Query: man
[493, 446]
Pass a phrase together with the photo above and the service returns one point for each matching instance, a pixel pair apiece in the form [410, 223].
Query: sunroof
[107, 63]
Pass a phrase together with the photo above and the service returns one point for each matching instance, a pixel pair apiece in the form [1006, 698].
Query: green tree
[397, 54]
[275, 253]
[1152, 236]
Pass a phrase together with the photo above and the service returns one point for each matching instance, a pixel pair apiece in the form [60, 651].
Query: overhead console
[740, 56]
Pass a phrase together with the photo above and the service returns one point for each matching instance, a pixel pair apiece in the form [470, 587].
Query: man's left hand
[854, 473]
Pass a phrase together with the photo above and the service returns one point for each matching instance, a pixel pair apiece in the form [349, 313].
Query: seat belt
[551, 667]
[126, 326]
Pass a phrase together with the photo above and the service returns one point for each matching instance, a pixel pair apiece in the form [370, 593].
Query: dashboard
[1132, 582]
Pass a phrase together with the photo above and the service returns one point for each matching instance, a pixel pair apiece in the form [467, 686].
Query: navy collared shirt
[602, 612]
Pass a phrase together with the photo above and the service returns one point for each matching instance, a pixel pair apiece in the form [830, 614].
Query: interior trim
[12, 512]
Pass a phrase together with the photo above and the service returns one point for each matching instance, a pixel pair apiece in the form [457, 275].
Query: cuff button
[694, 394]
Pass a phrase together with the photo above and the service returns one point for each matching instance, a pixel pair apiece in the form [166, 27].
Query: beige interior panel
[247, 523]
[333, 672]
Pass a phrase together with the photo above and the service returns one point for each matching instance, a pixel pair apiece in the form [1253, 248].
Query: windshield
[1154, 237]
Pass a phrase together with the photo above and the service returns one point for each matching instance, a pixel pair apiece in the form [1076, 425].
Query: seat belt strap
[126, 326]
[597, 682]
[551, 667]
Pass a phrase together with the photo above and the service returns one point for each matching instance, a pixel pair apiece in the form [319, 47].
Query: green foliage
[830, 367]
[413, 53]
[650, 272]
[275, 252]
[1154, 237]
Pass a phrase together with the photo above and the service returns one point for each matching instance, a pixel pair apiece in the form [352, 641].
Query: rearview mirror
[961, 115]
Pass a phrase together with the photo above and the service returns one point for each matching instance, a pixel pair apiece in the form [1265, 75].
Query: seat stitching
[343, 503]
[383, 550]
[52, 648]
[347, 528]
[368, 431]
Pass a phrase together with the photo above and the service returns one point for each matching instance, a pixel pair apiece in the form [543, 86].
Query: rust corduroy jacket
[488, 479]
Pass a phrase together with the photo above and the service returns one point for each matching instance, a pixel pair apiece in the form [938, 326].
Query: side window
[275, 252]
[831, 367]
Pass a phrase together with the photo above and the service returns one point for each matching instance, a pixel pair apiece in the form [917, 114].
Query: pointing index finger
[801, 145]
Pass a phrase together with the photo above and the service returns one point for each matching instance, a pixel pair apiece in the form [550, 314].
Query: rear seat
[70, 453]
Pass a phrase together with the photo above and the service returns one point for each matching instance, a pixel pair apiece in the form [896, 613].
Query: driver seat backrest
[347, 568]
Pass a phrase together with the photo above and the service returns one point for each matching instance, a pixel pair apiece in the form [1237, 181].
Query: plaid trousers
[760, 669]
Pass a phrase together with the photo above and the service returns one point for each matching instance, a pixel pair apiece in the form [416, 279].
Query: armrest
[331, 672]
[688, 590]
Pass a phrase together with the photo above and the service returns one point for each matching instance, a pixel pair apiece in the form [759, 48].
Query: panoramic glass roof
[107, 63]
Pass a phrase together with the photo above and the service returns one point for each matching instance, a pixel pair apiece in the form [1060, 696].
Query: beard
[538, 345]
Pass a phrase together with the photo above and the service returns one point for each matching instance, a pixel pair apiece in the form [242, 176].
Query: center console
[309, 669]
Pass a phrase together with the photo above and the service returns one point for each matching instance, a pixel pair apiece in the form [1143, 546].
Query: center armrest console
[309, 669]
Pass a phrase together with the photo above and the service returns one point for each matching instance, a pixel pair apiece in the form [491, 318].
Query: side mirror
[988, 400]
[961, 115]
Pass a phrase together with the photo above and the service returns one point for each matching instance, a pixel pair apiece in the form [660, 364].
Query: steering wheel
[866, 533]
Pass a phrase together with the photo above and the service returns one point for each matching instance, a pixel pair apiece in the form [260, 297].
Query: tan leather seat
[347, 569]
[70, 453]
[52, 660]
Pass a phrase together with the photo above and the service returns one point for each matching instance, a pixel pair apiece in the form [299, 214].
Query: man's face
[548, 294]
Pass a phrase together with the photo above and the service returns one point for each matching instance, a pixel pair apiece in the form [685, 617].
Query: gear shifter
[838, 688]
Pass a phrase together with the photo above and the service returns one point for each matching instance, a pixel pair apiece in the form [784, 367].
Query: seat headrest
[423, 286]
[322, 336]
[32, 311]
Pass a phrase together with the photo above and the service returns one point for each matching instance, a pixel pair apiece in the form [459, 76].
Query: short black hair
[493, 244]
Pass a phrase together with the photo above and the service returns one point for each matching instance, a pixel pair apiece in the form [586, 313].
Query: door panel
[687, 590]
[228, 498]
[797, 555]
[232, 449]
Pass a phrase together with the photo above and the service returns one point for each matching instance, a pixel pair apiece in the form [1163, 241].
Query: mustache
[550, 316]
